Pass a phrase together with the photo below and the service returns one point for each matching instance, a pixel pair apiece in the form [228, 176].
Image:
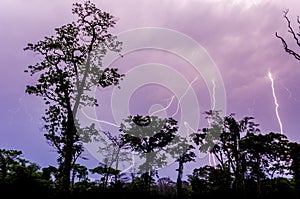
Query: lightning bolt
[289, 92]
[211, 157]
[275, 102]
[96, 120]
[177, 109]
[163, 109]
[112, 124]
[213, 94]
[189, 86]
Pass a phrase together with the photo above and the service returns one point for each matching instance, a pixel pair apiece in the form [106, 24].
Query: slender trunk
[179, 179]
[68, 159]
[71, 128]
[149, 181]
[239, 178]
[106, 177]
[117, 165]
[73, 179]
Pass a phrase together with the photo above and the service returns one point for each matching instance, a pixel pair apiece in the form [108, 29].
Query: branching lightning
[172, 99]
[211, 157]
[96, 120]
[276, 103]
[289, 92]
[163, 109]
[188, 129]
[178, 104]
[112, 124]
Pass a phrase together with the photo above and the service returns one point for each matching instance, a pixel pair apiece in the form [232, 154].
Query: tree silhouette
[21, 176]
[147, 135]
[8, 158]
[79, 171]
[187, 156]
[295, 167]
[223, 138]
[105, 172]
[210, 180]
[250, 160]
[295, 36]
[265, 156]
[113, 154]
[71, 65]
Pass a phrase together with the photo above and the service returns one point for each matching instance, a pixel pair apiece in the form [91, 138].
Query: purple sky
[239, 36]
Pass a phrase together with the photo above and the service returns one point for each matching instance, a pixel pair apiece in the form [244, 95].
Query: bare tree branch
[287, 49]
[290, 29]
[293, 33]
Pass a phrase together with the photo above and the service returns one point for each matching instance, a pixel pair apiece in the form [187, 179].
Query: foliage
[70, 66]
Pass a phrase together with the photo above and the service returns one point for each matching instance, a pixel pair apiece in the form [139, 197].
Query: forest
[248, 163]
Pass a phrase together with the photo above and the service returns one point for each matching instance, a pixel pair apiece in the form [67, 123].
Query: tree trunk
[179, 179]
[73, 179]
[67, 164]
[148, 180]
[69, 149]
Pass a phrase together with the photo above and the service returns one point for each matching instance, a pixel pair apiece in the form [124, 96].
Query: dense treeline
[249, 165]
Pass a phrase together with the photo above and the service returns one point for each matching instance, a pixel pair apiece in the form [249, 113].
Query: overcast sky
[238, 36]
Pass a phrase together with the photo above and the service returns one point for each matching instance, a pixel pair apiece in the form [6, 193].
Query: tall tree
[295, 36]
[222, 138]
[71, 65]
[147, 135]
[265, 155]
[187, 156]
